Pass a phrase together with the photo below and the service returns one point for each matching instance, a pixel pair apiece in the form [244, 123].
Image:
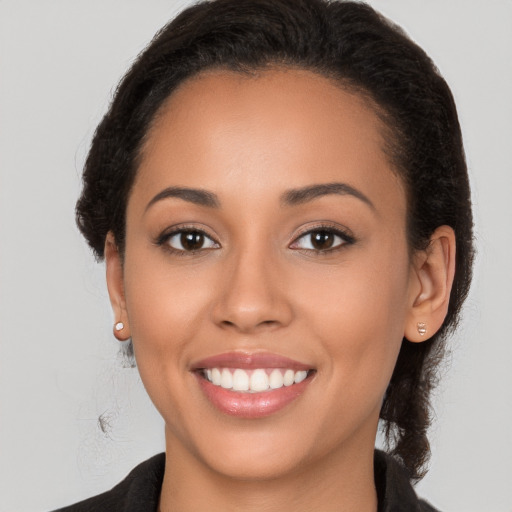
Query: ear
[115, 285]
[431, 283]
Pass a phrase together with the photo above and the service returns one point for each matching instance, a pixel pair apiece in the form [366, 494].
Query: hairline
[386, 127]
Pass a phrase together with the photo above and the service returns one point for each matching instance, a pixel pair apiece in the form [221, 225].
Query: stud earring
[119, 326]
[422, 328]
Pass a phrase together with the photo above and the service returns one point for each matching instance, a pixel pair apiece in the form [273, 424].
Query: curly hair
[345, 41]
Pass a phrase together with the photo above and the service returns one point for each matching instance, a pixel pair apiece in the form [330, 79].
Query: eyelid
[168, 233]
[344, 233]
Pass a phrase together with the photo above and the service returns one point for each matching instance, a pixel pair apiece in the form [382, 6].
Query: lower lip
[251, 405]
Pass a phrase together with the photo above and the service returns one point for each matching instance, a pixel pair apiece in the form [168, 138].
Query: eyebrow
[292, 197]
[192, 195]
[305, 194]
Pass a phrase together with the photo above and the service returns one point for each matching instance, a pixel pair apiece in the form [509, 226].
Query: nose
[252, 296]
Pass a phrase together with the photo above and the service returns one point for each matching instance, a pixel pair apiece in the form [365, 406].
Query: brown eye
[190, 241]
[322, 240]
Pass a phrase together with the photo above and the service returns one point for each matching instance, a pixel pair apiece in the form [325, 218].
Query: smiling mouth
[252, 385]
[256, 380]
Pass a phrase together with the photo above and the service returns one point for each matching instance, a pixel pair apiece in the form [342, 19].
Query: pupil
[192, 241]
[322, 240]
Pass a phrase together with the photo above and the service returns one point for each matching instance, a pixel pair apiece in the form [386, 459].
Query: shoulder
[394, 489]
[139, 491]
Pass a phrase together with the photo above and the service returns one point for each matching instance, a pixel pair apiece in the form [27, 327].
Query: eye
[188, 240]
[322, 240]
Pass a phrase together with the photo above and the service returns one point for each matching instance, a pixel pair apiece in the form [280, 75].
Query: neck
[342, 480]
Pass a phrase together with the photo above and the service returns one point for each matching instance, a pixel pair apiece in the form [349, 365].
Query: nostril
[252, 326]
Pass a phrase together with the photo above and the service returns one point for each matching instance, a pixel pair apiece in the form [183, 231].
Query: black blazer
[140, 490]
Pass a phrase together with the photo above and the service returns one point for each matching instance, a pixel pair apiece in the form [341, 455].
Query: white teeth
[289, 377]
[253, 381]
[226, 380]
[300, 376]
[259, 380]
[216, 376]
[240, 380]
[276, 379]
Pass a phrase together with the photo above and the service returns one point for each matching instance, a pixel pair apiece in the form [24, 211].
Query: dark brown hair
[351, 43]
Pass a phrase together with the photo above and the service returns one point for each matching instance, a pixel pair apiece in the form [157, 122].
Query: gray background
[59, 369]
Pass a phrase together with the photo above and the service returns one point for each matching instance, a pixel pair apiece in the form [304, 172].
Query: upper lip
[249, 361]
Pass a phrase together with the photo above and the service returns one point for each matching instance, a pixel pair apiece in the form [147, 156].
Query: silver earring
[422, 328]
[119, 326]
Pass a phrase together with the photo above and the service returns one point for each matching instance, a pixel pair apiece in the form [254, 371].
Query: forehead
[295, 103]
[281, 128]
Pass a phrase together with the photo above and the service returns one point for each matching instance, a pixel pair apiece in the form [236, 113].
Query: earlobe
[114, 271]
[433, 274]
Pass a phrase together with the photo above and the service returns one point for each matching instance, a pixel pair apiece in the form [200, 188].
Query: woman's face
[265, 243]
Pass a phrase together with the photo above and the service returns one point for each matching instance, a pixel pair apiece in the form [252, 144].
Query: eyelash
[165, 237]
[346, 238]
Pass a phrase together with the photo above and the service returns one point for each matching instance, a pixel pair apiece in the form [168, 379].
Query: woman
[280, 195]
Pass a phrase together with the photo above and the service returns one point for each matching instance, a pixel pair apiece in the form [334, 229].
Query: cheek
[358, 313]
[164, 309]
[164, 306]
[162, 299]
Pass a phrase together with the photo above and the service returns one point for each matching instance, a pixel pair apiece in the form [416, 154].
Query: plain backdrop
[59, 365]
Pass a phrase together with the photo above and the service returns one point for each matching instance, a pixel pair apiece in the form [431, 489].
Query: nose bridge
[252, 295]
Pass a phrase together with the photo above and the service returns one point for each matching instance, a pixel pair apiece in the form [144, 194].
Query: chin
[255, 461]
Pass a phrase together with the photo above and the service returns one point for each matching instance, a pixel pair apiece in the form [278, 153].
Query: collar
[140, 490]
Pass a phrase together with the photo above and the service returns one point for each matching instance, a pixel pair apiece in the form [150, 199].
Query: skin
[258, 286]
